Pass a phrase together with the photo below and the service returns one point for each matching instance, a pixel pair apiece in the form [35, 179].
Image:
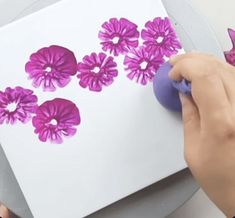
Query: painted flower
[142, 65]
[51, 66]
[56, 119]
[230, 55]
[119, 36]
[96, 71]
[17, 104]
[160, 37]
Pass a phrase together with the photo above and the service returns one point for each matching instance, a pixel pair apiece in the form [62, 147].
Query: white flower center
[159, 39]
[96, 70]
[143, 65]
[48, 69]
[54, 122]
[11, 107]
[115, 40]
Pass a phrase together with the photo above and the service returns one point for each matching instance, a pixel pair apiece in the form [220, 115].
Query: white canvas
[126, 140]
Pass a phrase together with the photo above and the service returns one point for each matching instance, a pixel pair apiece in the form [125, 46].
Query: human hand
[209, 125]
[4, 213]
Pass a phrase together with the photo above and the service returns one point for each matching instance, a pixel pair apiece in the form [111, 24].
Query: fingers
[208, 89]
[194, 54]
[213, 84]
[228, 78]
[191, 65]
[191, 118]
[191, 122]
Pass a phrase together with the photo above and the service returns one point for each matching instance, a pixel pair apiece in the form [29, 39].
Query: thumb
[191, 118]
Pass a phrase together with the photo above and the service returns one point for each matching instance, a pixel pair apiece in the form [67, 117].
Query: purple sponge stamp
[167, 91]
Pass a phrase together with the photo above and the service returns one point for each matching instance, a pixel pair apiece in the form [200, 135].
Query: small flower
[230, 55]
[159, 37]
[97, 70]
[50, 67]
[17, 104]
[119, 36]
[142, 65]
[55, 119]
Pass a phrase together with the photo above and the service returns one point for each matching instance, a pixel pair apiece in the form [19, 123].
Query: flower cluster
[159, 41]
[141, 62]
[53, 67]
[20, 105]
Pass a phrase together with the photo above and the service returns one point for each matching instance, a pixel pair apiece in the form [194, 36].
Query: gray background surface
[146, 203]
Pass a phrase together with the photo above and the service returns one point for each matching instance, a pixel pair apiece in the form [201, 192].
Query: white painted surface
[102, 164]
[13, 9]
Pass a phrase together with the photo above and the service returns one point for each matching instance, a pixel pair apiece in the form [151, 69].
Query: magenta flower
[142, 65]
[159, 37]
[97, 70]
[119, 36]
[55, 119]
[51, 67]
[17, 104]
[230, 55]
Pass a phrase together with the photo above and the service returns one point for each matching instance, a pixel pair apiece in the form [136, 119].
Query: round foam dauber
[167, 91]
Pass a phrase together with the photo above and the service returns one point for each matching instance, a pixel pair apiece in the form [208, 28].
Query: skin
[209, 125]
[4, 213]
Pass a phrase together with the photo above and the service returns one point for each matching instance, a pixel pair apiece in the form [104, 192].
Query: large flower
[51, 67]
[17, 104]
[159, 37]
[55, 119]
[142, 65]
[97, 70]
[230, 55]
[119, 36]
